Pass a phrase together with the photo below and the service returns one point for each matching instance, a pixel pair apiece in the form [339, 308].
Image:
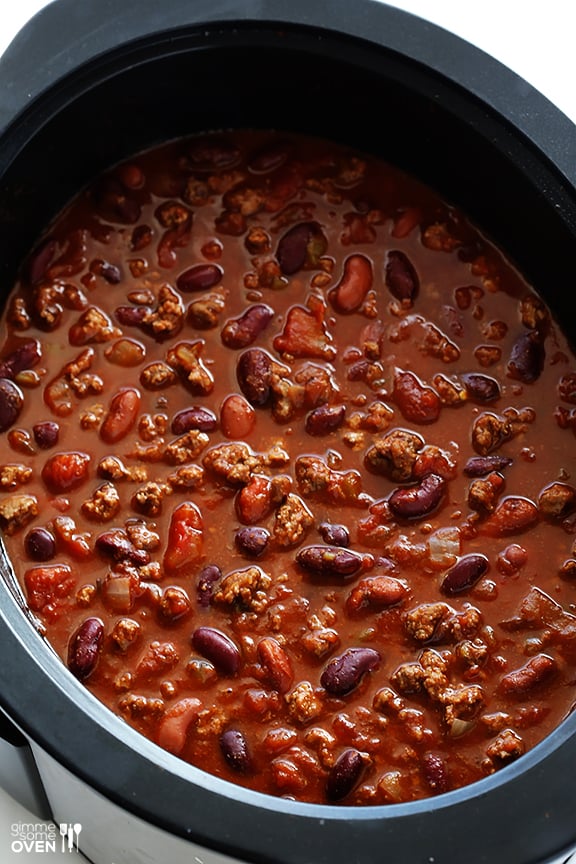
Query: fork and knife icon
[69, 833]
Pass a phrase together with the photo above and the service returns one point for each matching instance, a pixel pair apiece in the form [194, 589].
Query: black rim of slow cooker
[234, 820]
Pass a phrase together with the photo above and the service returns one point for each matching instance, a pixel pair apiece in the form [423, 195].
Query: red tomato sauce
[287, 470]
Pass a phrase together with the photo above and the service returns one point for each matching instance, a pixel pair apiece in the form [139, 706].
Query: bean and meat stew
[286, 472]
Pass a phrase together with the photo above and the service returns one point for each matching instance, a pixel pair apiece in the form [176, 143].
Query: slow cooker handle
[19, 775]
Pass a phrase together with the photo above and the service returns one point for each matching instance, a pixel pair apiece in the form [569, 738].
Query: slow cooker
[86, 84]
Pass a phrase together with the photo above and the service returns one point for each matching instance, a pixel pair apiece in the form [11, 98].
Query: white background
[536, 40]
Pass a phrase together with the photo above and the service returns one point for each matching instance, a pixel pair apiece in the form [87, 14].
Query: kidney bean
[39, 544]
[218, 648]
[46, 434]
[65, 471]
[435, 772]
[201, 277]
[345, 672]
[537, 671]
[185, 538]
[401, 277]
[84, 648]
[195, 417]
[254, 500]
[254, 373]
[11, 403]
[481, 388]
[116, 544]
[173, 728]
[269, 158]
[479, 466]
[527, 358]
[296, 245]
[235, 750]
[417, 402]
[121, 415]
[132, 316]
[252, 540]
[378, 592]
[242, 331]
[511, 559]
[237, 417]
[325, 419]
[351, 291]
[25, 356]
[513, 515]
[415, 502]
[464, 574]
[329, 561]
[344, 774]
[212, 155]
[205, 583]
[276, 663]
[335, 535]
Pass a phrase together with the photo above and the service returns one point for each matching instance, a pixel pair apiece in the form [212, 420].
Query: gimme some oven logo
[44, 836]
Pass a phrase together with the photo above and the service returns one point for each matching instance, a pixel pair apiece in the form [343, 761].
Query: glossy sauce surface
[287, 470]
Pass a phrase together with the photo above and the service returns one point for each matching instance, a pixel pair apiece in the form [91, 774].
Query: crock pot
[86, 84]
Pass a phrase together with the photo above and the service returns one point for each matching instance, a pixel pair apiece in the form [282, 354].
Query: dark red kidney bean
[201, 277]
[293, 248]
[132, 316]
[237, 417]
[254, 373]
[415, 502]
[527, 358]
[25, 356]
[344, 774]
[344, 673]
[329, 561]
[435, 772]
[117, 545]
[215, 646]
[195, 417]
[241, 332]
[205, 583]
[401, 278]
[46, 434]
[252, 540]
[39, 544]
[417, 402]
[11, 403]
[538, 670]
[325, 419]
[107, 271]
[479, 466]
[335, 535]
[121, 416]
[269, 158]
[276, 663]
[84, 648]
[235, 750]
[464, 574]
[480, 387]
[214, 155]
[350, 292]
